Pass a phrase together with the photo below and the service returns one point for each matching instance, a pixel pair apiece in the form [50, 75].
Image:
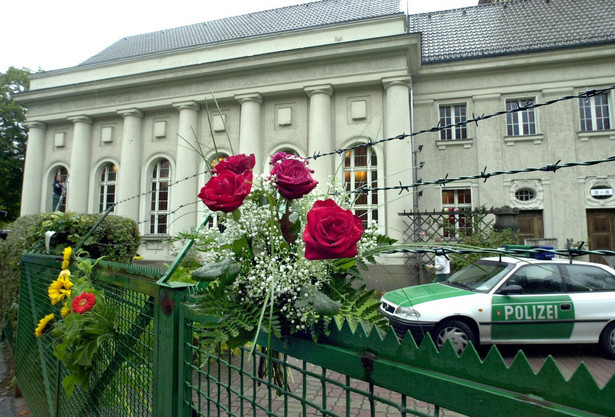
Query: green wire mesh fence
[122, 378]
[159, 368]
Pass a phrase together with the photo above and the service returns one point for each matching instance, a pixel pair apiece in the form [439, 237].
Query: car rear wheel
[607, 341]
[458, 332]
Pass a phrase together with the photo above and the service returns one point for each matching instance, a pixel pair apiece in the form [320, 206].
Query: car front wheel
[458, 332]
[607, 341]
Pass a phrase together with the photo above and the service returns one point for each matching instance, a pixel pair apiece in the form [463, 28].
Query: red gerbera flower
[83, 302]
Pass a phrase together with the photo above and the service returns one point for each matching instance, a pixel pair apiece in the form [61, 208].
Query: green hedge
[116, 238]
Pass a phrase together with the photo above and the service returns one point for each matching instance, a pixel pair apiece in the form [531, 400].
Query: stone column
[250, 136]
[397, 153]
[185, 191]
[320, 132]
[32, 200]
[129, 171]
[77, 195]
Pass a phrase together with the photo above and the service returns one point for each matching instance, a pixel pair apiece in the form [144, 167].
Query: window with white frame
[521, 122]
[108, 179]
[456, 202]
[160, 178]
[594, 113]
[453, 115]
[361, 170]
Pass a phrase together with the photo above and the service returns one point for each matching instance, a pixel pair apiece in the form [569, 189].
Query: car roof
[524, 260]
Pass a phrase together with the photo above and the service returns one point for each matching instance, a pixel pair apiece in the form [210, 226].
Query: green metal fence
[160, 369]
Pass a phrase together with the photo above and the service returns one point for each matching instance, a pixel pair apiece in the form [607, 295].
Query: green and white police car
[511, 301]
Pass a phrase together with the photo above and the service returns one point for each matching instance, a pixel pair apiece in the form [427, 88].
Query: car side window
[537, 279]
[585, 278]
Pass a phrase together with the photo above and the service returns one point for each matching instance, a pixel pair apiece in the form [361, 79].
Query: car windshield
[481, 276]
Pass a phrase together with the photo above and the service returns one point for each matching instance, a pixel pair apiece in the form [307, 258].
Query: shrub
[486, 239]
[116, 238]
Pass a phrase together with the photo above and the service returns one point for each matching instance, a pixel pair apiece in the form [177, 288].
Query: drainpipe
[415, 170]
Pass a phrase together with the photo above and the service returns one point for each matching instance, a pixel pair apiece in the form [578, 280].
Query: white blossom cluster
[282, 277]
[273, 268]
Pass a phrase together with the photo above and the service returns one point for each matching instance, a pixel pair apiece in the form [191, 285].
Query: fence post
[167, 392]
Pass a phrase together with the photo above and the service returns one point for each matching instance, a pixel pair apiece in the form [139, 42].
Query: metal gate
[160, 369]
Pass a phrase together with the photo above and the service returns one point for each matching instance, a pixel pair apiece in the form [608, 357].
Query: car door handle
[566, 307]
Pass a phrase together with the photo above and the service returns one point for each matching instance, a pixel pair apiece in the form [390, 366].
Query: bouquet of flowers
[281, 260]
[84, 324]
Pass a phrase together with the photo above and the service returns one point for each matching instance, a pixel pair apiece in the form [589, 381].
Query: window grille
[525, 194]
[594, 113]
[108, 178]
[159, 209]
[361, 170]
[453, 114]
[522, 122]
[456, 202]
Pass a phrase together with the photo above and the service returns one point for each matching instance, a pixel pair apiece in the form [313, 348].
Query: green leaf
[344, 263]
[68, 383]
[225, 270]
[319, 302]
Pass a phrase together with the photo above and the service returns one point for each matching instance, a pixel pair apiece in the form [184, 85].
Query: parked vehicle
[511, 301]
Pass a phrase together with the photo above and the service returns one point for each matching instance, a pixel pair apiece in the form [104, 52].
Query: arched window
[160, 179]
[108, 178]
[361, 170]
[215, 160]
[58, 202]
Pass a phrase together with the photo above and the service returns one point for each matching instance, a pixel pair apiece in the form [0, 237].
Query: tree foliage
[13, 137]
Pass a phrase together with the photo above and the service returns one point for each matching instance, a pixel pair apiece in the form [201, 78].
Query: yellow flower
[60, 288]
[67, 252]
[64, 311]
[43, 325]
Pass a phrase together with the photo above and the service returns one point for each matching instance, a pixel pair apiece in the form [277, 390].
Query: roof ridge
[278, 20]
[225, 18]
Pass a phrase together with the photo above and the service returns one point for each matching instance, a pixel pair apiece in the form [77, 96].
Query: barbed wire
[475, 119]
[181, 206]
[418, 248]
[408, 187]
[483, 175]
[169, 185]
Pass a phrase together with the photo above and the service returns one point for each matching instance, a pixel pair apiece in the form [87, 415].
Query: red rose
[292, 178]
[280, 156]
[236, 163]
[331, 232]
[226, 191]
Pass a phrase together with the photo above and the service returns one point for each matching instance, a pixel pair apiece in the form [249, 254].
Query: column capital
[250, 97]
[130, 112]
[82, 118]
[404, 80]
[319, 89]
[187, 105]
[35, 124]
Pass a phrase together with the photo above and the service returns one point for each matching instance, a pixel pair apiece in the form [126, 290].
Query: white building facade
[124, 125]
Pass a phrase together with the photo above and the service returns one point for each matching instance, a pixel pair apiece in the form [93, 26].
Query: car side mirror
[511, 290]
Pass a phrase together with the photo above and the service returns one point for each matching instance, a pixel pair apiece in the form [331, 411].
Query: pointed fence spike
[494, 363]
[580, 391]
[550, 373]
[609, 388]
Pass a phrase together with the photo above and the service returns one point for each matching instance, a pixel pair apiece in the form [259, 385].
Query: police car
[502, 300]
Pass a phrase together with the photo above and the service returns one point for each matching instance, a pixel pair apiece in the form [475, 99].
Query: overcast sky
[63, 33]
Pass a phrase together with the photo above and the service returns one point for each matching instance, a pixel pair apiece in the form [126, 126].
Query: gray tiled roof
[254, 24]
[515, 26]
